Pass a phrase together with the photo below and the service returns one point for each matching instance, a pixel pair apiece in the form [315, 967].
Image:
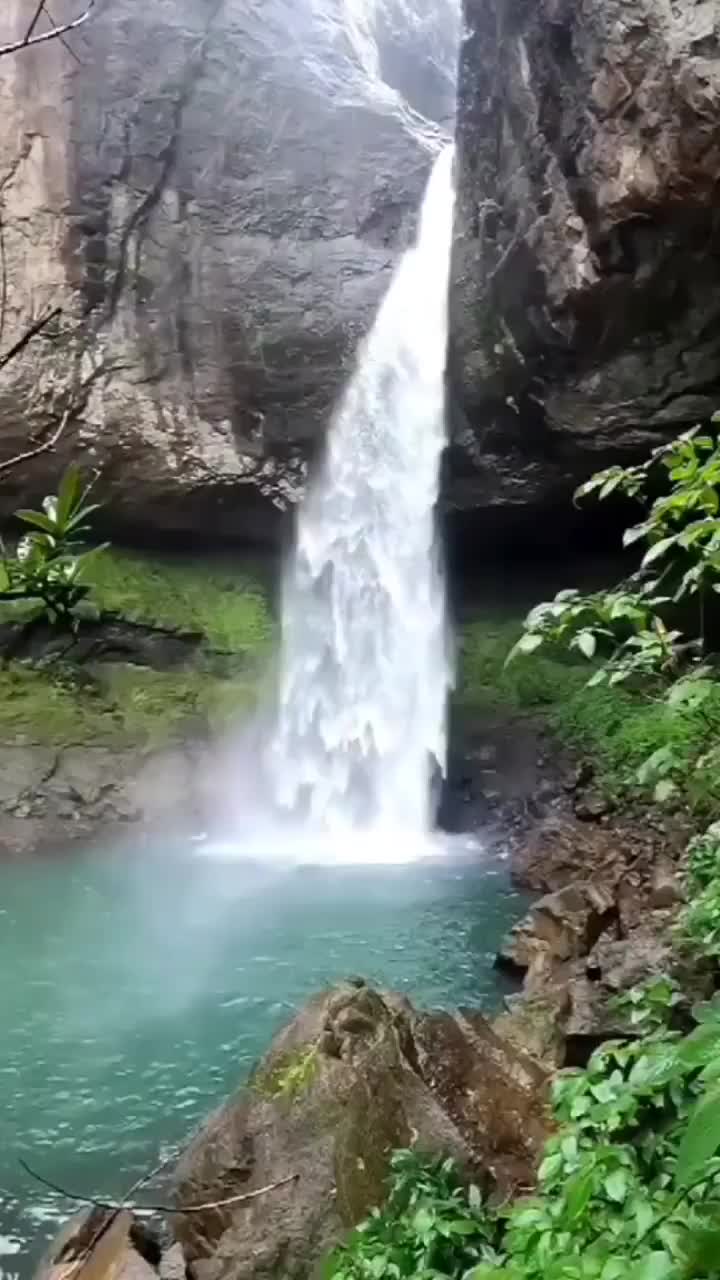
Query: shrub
[47, 568]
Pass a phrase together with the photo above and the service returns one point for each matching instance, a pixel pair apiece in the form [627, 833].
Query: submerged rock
[355, 1076]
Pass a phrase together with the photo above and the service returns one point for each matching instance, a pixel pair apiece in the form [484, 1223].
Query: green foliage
[628, 1189]
[698, 926]
[49, 563]
[617, 726]
[431, 1227]
[626, 632]
[704, 858]
[651, 1006]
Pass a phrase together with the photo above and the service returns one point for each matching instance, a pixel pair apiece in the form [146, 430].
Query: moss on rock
[121, 702]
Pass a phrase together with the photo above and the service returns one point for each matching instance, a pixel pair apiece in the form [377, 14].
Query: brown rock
[102, 1239]
[561, 926]
[665, 889]
[445, 1084]
[574, 345]
[561, 850]
[495, 1094]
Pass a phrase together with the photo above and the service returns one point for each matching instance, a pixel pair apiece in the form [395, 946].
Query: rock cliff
[585, 298]
[214, 191]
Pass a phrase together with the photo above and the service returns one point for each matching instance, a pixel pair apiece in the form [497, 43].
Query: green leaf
[78, 517]
[423, 1221]
[700, 1047]
[616, 1185]
[659, 549]
[586, 643]
[656, 1266]
[701, 1139]
[475, 1198]
[664, 789]
[526, 644]
[69, 493]
[578, 1192]
[610, 485]
[635, 533]
[39, 520]
[463, 1227]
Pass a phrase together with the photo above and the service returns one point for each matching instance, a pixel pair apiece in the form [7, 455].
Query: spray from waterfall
[364, 666]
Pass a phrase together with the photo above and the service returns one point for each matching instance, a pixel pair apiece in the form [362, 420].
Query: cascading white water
[364, 665]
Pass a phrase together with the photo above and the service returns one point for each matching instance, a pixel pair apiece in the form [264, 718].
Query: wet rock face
[585, 297]
[216, 196]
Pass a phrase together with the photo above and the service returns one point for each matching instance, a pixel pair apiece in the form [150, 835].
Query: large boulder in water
[355, 1076]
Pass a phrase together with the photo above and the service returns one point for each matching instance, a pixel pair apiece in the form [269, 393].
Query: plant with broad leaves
[626, 626]
[650, 1006]
[620, 625]
[432, 1226]
[704, 858]
[629, 632]
[681, 529]
[49, 560]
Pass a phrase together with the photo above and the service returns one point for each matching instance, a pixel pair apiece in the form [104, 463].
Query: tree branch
[76, 399]
[40, 448]
[115, 1206]
[28, 335]
[54, 34]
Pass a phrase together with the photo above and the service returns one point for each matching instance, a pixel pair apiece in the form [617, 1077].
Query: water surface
[137, 992]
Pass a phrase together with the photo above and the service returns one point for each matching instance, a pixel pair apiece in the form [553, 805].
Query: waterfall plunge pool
[138, 991]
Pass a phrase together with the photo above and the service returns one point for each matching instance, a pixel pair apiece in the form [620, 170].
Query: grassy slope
[136, 704]
[617, 729]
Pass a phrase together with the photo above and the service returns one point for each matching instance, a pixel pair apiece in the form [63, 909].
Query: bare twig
[40, 448]
[3, 273]
[36, 17]
[65, 43]
[28, 335]
[79, 1262]
[55, 33]
[116, 1207]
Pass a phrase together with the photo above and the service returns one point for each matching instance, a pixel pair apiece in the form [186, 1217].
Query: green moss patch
[290, 1077]
[126, 706]
[123, 703]
[228, 606]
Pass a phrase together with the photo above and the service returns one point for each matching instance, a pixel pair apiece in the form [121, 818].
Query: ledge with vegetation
[73, 620]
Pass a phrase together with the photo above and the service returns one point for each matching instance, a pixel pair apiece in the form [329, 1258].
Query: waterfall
[364, 668]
